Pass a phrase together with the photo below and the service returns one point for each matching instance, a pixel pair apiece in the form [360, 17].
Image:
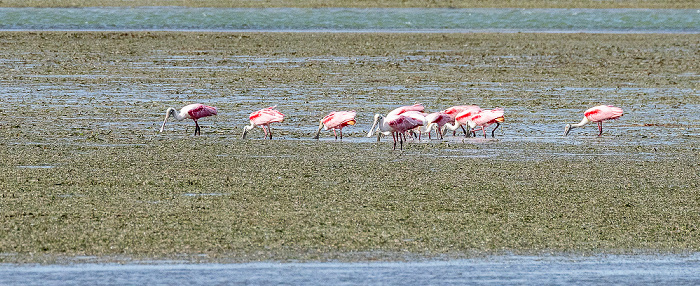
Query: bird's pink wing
[266, 116]
[201, 110]
[416, 107]
[467, 114]
[603, 112]
[487, 116]
[402, 123]
[453, 111]
[420, 116]
[339, 118]
[443, 119]
[432, 117]
[438, 118]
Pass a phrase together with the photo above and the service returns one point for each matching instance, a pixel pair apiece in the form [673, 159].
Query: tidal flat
[87, 175]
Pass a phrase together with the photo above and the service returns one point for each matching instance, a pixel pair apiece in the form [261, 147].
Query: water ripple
[353, 19]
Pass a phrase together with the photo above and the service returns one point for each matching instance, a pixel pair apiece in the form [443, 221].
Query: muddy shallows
[86, 173]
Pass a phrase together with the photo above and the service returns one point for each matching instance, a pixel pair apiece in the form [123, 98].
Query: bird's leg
[483, 129]
[494, 130]
[600, 128]
[393, 135]
[196, 129]
[334, 134]
[269, 131]
[264, 129]
[401, 139]
[463, 130]
[341, 134]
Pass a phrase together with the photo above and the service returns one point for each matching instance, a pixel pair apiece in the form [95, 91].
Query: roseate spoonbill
[263, 118]
[485, 118]
[461, 119]
[596, 114]
[337, 120]
[438, 119]
[422, 120]
[192, 111]
[415, 111]
[456, 110]
[397, 125]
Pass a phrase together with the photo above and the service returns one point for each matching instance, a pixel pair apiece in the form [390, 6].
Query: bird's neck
[450, 126]
[384, 126]
[582, 123]
[320, 126]
[175, 114]
[427, 128]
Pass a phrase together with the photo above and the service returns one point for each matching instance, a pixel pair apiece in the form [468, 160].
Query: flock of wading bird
[399, 122]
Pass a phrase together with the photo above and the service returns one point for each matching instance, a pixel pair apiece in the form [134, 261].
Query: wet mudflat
[85, 172]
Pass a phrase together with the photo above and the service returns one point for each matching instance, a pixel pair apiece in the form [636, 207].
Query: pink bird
[192, 111]
[263, 118]
[596, 114]
[462, 118]
[414, 111]
[425, 123]
[485, 118]
[337, 120]
[439, 119]
[394, 124]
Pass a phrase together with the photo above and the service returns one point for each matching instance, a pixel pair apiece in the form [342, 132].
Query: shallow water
[502, 270]
[646, 122]
[349, 19]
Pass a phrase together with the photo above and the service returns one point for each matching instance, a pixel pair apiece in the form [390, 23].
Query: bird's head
[245, 130]
[318, 132]
[377, 118]
[168, 113]
[567, 128]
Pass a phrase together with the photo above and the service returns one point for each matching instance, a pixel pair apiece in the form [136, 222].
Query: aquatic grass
[309, 203]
